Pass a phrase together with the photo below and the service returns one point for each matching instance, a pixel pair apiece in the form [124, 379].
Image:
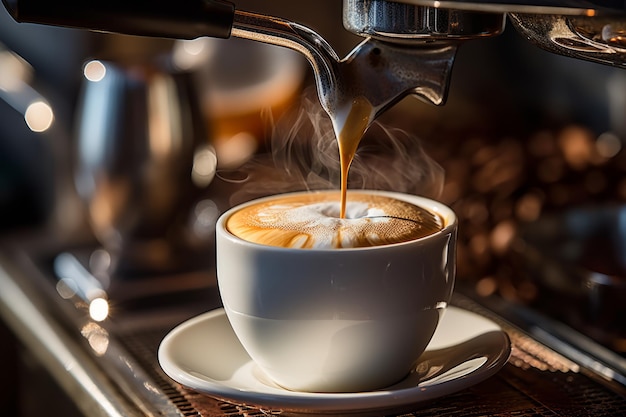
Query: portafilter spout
[382, 72]
[591, 30]
[383, 69]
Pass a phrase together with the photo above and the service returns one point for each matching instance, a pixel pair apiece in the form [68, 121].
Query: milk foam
[312, 221]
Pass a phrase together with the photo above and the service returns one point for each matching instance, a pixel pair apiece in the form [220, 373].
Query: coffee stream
[358, 114]
[327, 219]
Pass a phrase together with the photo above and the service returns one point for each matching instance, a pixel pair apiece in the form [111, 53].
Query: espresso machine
[407, 48]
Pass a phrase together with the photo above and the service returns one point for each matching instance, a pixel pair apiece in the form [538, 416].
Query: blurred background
[531, 145]
[524, 132]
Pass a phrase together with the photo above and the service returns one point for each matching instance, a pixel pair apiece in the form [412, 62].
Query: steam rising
[303, 155]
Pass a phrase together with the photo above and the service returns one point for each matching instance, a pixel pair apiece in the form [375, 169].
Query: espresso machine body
[418, 38]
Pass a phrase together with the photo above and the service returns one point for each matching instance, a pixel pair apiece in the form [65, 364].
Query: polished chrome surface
[563, 7]
[143, 159]
[65, 359]
[385, 72]
[401, 22]
[588, 30]
[380, 71]
[594, 39]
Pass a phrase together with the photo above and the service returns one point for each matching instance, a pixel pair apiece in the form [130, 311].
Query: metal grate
[144, 346]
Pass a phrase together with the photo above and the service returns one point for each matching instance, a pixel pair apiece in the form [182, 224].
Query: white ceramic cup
[337, 320]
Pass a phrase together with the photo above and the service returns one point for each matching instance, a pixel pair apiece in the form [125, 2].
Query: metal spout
[385, 72]
[382, 72]
[591, 30]
[383, 69]
[595, 39]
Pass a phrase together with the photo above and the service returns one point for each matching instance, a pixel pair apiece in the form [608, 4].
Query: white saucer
[204, 354]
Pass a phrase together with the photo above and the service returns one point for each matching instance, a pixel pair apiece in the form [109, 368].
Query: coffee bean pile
[499, 186]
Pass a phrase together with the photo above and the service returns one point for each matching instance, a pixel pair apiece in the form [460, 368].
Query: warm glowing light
[99, 265]
[97, 337]
[204, 166]
[608, 145]
[577, 145]
[193, 46]
[66, 288]
[528, 207]
[190, 53]
[99, 309]
[233, 151]
[39, 116]
[437, 4]
[94, 71]
[502, 236]
[486, 286]
[205, 215]
[14, 71]
[206, 212]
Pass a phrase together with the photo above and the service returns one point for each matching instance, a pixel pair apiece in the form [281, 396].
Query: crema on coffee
[313, 221]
